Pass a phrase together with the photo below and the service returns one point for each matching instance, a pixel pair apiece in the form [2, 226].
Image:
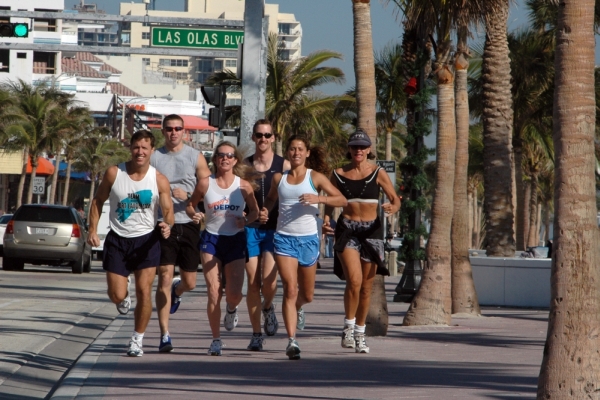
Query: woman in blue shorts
[223, 242]
[297, 237]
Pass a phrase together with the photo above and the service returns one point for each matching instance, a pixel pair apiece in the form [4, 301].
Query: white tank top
[133, 204]
[223, 207]
[296, 219]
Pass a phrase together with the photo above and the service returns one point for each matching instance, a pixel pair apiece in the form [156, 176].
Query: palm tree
[571, 363]
[98, 153]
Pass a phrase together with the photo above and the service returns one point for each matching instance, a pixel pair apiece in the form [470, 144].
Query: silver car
[43, 234]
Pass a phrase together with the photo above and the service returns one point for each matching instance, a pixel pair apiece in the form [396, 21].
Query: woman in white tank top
[223, 242]
[297, 236]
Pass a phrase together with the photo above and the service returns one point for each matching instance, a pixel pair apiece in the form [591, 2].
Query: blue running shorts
[303, 248]
[225, 248]
[259, 241]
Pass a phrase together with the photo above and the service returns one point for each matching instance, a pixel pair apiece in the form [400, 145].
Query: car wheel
[7, 264]
[77, 267]
[87, 267]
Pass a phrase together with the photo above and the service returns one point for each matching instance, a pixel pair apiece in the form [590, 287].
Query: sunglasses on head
[229, 156]
[359, 147]
[173, 128]
[261, 135]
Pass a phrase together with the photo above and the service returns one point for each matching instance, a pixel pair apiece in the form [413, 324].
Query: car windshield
[5, 218]
[43, 214]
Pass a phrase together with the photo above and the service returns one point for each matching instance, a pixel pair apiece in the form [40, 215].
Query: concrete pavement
[494, 357]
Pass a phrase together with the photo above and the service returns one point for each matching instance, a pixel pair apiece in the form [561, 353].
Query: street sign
[390, 168]
[196, 38]
[39, 185]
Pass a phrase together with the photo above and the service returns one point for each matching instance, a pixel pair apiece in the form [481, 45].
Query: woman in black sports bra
[359, 246]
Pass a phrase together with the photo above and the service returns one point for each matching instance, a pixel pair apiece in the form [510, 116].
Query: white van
[102, 230]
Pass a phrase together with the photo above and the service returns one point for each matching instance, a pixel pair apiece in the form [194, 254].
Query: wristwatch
[189, 195]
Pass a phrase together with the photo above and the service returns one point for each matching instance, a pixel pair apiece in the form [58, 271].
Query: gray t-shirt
[180, 170]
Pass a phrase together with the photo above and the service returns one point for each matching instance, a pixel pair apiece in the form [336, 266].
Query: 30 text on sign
[196, 38]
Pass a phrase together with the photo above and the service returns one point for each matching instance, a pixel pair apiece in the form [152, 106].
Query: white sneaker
[124, 306]
[271, 325]
[348, 338]
[360, 344]
[215, 347]
[231, 319]
[293, 350]
[135, 349]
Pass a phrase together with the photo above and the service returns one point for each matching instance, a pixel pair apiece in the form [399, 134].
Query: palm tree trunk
[34, 166]
[23, 178]
[497, 136]
[388, 144]
[476, 221]
[432, 304]
[67, 182]
[546, 222]
[538, 224]
[464, 295]
[571, 364]
[471, 217]
[521, 214]
[533, 201]
[364, 70]
[54, 184]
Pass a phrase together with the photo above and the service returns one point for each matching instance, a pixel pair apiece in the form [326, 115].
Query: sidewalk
[497, 356]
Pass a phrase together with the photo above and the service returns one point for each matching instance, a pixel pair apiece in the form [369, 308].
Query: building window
[21, 55]
[4, 61]
[146, 35]
[285, 29]
[44, 63]
[145, 61]
[231, 63]
[167, 62]
[207, 67]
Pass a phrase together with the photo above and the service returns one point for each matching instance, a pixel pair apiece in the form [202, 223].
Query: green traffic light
[21, 30]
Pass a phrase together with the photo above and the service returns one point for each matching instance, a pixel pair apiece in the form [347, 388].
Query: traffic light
[14, 29]
[215, 96]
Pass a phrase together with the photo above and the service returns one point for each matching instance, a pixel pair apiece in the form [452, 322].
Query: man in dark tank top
[260, 268]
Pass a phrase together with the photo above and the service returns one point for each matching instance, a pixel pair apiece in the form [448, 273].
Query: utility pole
[254, 68]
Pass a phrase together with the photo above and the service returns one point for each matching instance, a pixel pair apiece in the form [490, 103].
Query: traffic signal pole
[254, 68]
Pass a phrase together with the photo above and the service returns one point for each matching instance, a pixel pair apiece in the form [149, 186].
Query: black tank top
[264, 185]
[365, 189]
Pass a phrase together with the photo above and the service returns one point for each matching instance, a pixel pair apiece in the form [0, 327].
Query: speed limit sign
[39, 185]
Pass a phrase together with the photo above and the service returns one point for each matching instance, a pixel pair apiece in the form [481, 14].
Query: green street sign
[196, 38]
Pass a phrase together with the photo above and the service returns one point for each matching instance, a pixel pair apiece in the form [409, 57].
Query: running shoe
[270, 325]
[301, 319]
[231, 319]
[215, 347]
[360, 344]
[135, 348]
[293, 350]
[124, 306]
[165, 344]
[175, 300]
[348, 338]
[256, 343]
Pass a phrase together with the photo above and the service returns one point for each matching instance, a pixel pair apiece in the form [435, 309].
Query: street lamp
[167, 97]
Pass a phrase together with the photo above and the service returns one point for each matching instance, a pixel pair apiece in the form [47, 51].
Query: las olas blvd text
[196, 38]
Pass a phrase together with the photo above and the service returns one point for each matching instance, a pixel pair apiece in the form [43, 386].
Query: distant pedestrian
[223, 242]
[183, 166]
[297, 238]
[359, 243]
[135, 190]
[261, 269]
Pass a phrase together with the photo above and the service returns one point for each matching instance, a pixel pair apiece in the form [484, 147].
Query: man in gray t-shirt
[183, 166]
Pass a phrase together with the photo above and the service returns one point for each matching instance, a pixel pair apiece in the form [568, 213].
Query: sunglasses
[173, 128]
[229, 156]
[359, 147]
[261, 135]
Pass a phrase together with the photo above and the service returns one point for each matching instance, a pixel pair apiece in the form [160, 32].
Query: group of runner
[260, 216]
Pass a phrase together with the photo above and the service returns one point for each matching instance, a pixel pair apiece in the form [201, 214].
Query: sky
[327, 24]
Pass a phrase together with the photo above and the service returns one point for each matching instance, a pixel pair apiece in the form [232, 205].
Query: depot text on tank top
[133, 204]
[223, 207]
[180, 169]
[296, 219]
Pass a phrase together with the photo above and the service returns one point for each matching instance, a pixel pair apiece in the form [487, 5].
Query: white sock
[228, 310]
[165, 335]
[349, 323]
[137, 336]
[217, 338]
[359, 329]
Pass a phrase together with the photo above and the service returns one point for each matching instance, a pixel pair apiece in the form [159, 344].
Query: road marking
[9, 303]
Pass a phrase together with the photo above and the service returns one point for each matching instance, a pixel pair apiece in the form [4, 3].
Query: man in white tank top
[135, 190]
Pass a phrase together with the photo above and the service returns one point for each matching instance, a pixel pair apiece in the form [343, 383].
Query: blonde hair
[241, 169]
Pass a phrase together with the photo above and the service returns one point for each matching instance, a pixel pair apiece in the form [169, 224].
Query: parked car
[43, 234]
[3, 221]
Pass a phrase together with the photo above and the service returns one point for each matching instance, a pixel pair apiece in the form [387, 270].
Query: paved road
[48, 317]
